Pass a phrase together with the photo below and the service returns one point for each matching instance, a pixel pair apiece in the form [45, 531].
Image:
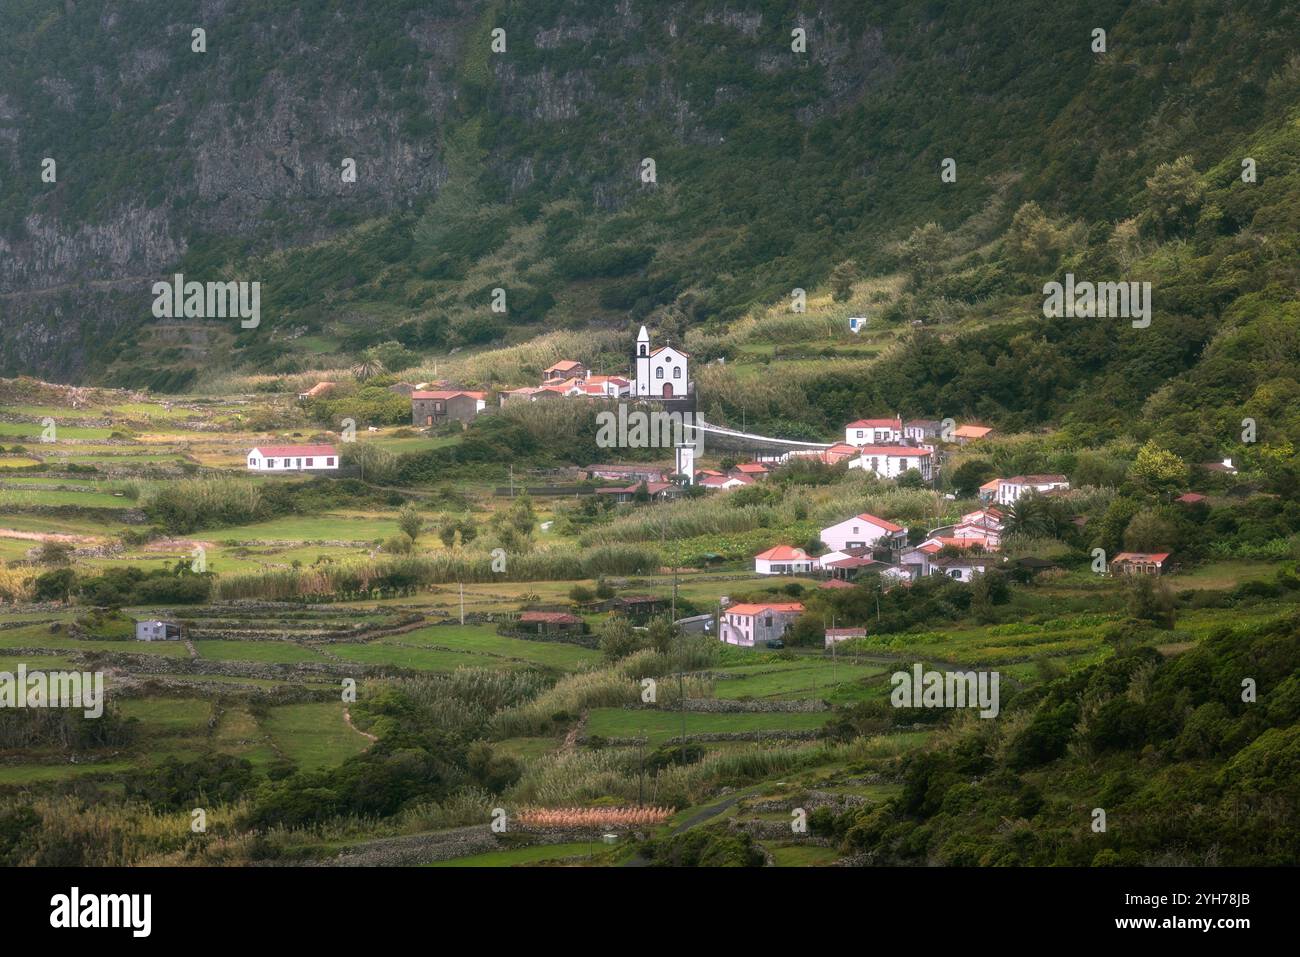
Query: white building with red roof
[891, 461]
[293, 458]
[1006, 491]
[862, 531]
[873, 431]
[784, 560]
[748, 625]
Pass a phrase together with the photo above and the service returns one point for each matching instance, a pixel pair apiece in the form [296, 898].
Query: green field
[660, 726]
[314, 735]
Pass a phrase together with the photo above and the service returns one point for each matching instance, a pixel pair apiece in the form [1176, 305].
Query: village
[892, 449]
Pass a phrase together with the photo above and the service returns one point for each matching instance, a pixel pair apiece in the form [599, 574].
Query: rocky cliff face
[774, 163]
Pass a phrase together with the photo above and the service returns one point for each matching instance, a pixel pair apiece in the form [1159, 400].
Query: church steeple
[642, 364]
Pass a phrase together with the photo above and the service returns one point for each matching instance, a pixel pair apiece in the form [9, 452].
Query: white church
[662, 373]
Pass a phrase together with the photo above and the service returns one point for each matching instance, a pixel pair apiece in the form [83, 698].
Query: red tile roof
[884, 523]
[783, 553]
[876, 424]
[447, 394]
[1137, 557]
[853, 561]
[792, 606]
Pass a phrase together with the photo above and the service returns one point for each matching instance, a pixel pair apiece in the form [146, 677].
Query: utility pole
[677, 560]
[681, 703]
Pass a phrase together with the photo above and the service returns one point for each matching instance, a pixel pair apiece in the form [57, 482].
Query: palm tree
[368, 367]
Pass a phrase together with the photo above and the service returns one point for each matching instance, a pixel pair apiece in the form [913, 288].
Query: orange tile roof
[783, 553]
[747, 609]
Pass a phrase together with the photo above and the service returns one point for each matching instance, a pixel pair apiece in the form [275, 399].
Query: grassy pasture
[661, 726]
[313, 735]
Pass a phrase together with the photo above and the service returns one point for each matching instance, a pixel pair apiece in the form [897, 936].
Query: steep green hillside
[523, 169]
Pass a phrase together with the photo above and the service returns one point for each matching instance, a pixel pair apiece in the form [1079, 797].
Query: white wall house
[156, 629]
[862, 531]
[891, 461]
[748, 625]
[784, 560]
[873, 431]
[293, 458]
[662, 373]
[962, 569]
[983, 525]
[1010, 489]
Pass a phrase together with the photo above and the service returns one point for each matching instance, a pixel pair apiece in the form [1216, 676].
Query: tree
[1174, 193]
[660, 632]
[924, 251]
[447, 533]
[843, 277]
[410, 522]
[617, 638]
[1032, 242]
[56, 585]
[969, 476]
[54, 553]
[1150, 531]
[369, 366]
[1151, 600]
[1158, 470]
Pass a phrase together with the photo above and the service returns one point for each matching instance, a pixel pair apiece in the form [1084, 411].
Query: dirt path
[571, 739]
[347, 717]
[51, 537]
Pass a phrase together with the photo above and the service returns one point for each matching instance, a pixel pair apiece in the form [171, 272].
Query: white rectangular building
[293, 458]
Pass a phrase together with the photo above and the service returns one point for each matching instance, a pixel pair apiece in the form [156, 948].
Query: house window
[903, 465]
[859, 433]
[309, 461]
[437, 407]
[677, 372]
[955, 573]
[300, 463]
[641, 349]
[659, 372]
[270, 463]
[330, 460]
